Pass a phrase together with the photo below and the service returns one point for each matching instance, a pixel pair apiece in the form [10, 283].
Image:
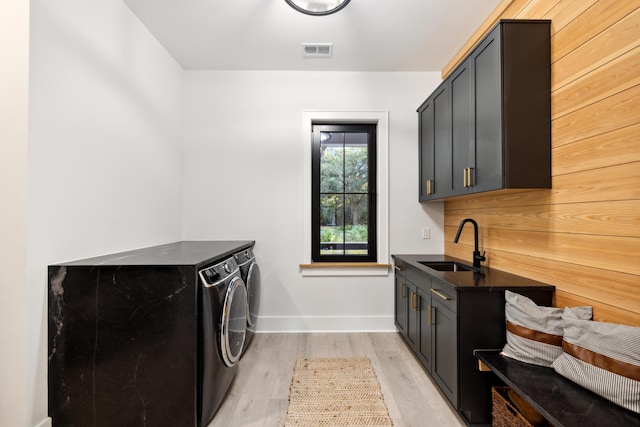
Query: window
[343, 183]
[380, 267]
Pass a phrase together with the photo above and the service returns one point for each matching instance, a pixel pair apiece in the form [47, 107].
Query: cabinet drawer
[418, 278]
[445, 295]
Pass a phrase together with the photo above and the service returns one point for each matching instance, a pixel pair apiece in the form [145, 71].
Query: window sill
[345, 269]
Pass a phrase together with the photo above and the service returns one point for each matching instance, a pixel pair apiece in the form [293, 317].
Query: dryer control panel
[212, 275]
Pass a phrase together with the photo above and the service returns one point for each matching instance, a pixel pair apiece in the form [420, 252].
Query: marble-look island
[123, 336]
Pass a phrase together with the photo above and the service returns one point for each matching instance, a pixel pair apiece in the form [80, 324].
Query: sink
[447, 266]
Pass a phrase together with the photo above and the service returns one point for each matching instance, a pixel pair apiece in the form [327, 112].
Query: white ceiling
[367, 35]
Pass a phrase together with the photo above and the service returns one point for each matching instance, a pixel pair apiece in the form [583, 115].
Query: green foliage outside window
[344, 170]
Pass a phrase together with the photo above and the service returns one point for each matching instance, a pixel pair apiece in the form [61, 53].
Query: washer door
[253, 289]
[234, 322]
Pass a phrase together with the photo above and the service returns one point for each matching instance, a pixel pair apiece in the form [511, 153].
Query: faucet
[477, 257]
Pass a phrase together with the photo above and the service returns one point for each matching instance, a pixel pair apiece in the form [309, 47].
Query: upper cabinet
[488, 125]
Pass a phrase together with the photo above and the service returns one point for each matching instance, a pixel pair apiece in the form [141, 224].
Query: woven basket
[504, 412]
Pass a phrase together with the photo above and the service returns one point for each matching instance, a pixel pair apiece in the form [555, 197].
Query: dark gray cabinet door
[413, 323]
[426, 149]
[444, 365]
[462, 144]
[443, 185]
[426, 345]
[401, 303]
[487, 97]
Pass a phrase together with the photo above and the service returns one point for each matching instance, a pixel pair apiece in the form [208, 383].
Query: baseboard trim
[45, 423]
[275, 324]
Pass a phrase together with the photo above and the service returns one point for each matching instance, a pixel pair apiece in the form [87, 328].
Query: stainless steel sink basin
[447, 266]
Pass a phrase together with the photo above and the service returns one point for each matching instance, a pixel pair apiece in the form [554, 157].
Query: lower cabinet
[401, 304]
[407, 316]
[429, 325]
[444, 337]
[443, 324]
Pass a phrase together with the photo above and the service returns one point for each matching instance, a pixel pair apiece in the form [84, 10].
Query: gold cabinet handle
[403, 287]
[429, 189]
[415, 301]
[466, 177]
[429, 322]
[396, 268]
[440, 294]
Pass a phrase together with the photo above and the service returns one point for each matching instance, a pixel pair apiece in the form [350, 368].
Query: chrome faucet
[477, 257]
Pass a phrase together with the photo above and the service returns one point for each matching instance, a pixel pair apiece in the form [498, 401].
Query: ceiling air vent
[317, 50]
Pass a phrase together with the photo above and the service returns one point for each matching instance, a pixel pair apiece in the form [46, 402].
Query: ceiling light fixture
[317, 7]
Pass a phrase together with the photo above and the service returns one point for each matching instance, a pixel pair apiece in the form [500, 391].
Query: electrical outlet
[426, 233]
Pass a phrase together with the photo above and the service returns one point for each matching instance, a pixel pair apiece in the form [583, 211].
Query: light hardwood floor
[259, 394]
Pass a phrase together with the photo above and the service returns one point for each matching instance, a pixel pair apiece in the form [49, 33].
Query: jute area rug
[337, 393]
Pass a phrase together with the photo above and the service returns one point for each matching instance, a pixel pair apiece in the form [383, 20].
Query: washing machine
[250, 273]
[223, 332]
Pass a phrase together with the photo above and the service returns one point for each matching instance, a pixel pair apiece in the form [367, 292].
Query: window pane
[356, 224]
[356, 163]
[331, 224]
[331, 162]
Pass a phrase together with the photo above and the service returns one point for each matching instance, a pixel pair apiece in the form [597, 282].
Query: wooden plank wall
[583, 235]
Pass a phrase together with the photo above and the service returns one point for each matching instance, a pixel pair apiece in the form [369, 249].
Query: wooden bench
[560, 401]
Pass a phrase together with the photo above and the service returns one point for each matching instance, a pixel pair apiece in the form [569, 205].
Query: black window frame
[371, 130]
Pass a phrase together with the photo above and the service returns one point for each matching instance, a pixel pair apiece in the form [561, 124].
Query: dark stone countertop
[470, 280]
[191, 253]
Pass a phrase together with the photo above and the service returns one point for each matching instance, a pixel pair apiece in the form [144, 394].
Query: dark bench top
[561, 401]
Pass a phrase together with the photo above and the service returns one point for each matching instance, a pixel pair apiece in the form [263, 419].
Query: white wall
[105, 134]
[14, 68]
[106, 172]
[242, 180]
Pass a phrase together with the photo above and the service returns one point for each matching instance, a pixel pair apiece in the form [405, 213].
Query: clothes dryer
[250, 273]
[223, 329]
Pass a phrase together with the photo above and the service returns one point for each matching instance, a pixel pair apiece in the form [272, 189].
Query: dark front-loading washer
[250, 273]
[223, 332]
